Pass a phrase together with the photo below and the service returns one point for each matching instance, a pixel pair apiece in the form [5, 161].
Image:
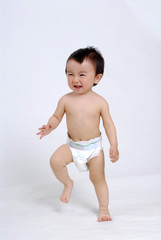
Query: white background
[37, 38]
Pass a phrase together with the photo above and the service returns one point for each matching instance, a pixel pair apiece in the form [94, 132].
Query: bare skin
[67, 192]
[60, 170]
[97, 176]
[83, 109]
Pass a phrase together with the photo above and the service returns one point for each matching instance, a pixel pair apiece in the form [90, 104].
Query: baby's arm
[110, 131]
[54, 120]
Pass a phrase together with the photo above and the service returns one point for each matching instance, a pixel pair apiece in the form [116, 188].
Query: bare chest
[83, 110]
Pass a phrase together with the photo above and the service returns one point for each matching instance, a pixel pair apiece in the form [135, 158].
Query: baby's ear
[98, 78]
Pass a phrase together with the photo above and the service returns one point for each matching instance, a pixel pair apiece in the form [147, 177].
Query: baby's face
[81, 76]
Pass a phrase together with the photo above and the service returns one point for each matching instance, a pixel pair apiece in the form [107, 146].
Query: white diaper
[83, 151]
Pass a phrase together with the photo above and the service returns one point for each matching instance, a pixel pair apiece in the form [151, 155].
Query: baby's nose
[75, 80]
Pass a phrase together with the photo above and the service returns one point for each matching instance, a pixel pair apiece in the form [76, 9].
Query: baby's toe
[104, 218]
[99, 219]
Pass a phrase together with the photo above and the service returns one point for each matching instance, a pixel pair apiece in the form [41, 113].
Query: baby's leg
[58, 162]
[97, 176]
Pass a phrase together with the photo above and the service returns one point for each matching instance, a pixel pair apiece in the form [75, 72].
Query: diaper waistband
[85, 145]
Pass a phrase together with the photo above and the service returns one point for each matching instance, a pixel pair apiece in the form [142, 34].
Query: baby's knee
[56, 162]
[96, 178]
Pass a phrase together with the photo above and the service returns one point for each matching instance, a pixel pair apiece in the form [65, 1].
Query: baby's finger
[115, 158]
[112, 154]
[41, 132]
[42, 128]
[111, 151]
[43, 135]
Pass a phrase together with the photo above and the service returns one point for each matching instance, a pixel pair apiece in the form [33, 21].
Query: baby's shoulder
[66, 98]
[99, 98]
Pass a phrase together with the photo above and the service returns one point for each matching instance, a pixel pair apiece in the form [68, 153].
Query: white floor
[35, 212]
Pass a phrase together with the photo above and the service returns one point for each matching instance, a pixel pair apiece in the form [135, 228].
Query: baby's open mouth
[77, 86]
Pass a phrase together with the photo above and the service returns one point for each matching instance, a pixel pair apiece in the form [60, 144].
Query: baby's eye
[82, 75]
[70, 74]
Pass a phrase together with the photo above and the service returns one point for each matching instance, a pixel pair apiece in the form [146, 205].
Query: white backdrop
[38, 36]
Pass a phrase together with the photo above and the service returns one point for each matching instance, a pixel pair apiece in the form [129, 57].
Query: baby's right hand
[44, 130]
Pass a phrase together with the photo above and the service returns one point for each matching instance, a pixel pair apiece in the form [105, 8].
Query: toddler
[83, 108]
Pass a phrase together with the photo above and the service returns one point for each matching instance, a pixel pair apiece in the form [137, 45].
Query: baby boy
[83, 108]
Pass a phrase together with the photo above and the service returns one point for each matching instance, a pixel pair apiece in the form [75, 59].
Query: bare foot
[67, 192]
[104, 215]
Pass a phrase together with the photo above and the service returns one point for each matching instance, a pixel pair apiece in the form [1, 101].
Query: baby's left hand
[114, 153]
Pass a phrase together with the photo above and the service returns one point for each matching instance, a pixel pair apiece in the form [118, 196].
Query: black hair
[90, 53]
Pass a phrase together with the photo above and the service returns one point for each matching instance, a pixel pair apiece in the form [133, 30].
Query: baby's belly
[83, 132]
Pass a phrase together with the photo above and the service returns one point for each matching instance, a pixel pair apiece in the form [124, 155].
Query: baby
[83, 109]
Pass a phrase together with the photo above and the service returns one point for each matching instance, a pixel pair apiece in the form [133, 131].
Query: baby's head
[91, 54]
